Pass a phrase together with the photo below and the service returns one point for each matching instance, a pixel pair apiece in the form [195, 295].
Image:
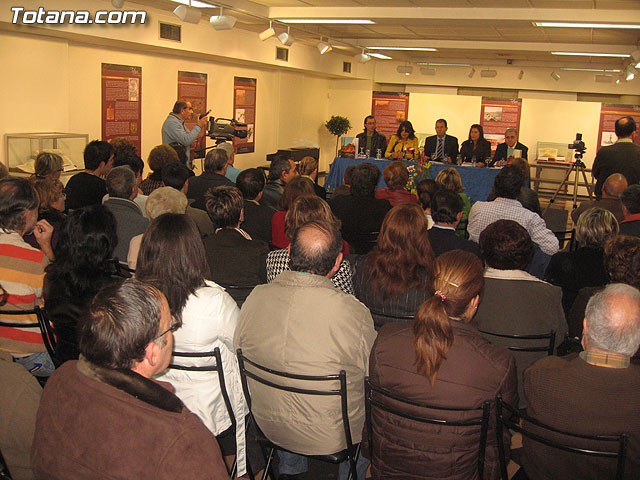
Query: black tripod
[577, 166]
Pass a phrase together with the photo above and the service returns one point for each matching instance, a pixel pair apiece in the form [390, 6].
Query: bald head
[614, 185]
[612, 322]
[315, 248]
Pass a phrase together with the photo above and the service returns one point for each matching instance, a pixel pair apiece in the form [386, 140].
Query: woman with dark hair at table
[476, 149]
[396, 276]
[87, 239]
[404, 144]
[396, 176]
[370, 140]
[439, 360]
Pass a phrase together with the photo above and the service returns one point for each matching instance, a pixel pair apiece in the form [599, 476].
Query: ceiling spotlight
[286, 38]
[406, 69]
[268, 33]
[521, 74]
[472, 72]
[324, 47]
[427, 71]
[603, 78]
[488, 73]
[629, 73]
[187, 14]
[363, 57]
[636, 58]
[222, 22]
[555, 76]
[619, 79]
[117, 3]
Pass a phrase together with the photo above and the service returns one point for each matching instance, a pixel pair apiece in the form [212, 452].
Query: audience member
[209, 317]
[88, 188]
[583, 267]
[215, 165]
[476, 149]
[622, 263]
[121, 185]
[257, 218]
[103, 416]
[159, 156]
[515, 302]
[22, 272]
[396, 176]
[446, 211]
[621, 157]
[396, 277]
[176, 175]
[122, 145]
[345, 188]
[308, 168]
[234, 257]
[527, 196]
[450, 179]
[370, 140]
[48, 165]
[440, 360]
[506, 152]
[181, 151]
[308, 208]
[135, 163]
[162, 200]
[282, 170]
[630, 199]
[507, 186]
[426, 188]
[404, 144]
[51, 202]
[360, 212]
[441, 147]
[80, 270]
[316, 330]
[232, 172]
[612, 188]
[595, 393]
[295, 188]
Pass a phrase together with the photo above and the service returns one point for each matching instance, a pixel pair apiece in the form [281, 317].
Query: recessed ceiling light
[488, 73]
[406, 69]
[381, 56]
[427, 71]
[585, 54]
[408, 49]
[586, 25]
[338, 21]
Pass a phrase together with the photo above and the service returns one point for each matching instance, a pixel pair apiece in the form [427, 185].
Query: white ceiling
[480, 32]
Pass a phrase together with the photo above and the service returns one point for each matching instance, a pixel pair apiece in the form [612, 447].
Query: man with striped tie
[441, 147]
[22, 272]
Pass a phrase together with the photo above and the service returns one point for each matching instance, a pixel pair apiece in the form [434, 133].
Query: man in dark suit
[257, 218]
[631, 201]
[621, 157]
[506, 151]
[441, 147]
[215, 166]
[446, 212]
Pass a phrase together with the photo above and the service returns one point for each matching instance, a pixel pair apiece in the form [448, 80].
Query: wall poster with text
[608, 116]
[389, 110]
[244, 111]
[192, 87]
[498, 114]
[122, 103]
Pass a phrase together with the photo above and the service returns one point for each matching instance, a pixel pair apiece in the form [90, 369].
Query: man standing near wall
[174, 129]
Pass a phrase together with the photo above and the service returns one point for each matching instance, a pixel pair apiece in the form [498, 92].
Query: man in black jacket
[506, 151]
[446, 212]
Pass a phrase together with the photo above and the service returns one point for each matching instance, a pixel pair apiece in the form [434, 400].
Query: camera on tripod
[578, 145]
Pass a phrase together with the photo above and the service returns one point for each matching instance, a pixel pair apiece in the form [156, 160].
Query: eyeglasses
[175, 325]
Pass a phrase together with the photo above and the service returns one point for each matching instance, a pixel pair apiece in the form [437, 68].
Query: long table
[477, 181]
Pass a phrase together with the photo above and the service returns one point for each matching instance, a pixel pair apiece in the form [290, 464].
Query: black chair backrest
[514, 419]
[377, 397]
[258, 375]
[361, 242]
[380, 318]
[238, 292]
[119, 269]
[549, 347]
[42, 323]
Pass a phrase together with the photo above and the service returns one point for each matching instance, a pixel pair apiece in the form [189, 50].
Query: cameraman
[174, 129]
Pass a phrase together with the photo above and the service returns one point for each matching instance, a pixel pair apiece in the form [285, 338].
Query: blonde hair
[307, 165]
[595, 226]
[47, 163]
[450, 179]
[49, 191]
[165, 200]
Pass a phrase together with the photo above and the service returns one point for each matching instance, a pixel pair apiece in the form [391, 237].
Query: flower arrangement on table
[417, 171]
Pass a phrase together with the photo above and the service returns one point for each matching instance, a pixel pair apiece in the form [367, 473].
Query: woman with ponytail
[442, 361]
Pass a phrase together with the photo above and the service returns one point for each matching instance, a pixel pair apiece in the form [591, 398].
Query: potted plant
[338, 126]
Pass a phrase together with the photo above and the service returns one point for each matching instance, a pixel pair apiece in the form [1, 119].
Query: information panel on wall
[608, 116]
[244, 111]
[498, 114]
[192, 87]
[121, 103]
[389, 110]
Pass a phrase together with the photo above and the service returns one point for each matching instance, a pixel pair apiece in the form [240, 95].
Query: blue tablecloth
[477, 181]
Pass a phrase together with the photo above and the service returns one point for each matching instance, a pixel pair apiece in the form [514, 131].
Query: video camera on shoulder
[225, 129]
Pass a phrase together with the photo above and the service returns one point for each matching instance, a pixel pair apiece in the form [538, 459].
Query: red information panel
[608, 116]
[121, 102]
[192, 87]
[496, 115]
[244, 111]
[389, 110]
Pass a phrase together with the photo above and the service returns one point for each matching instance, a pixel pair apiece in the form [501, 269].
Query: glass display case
[21, 149]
